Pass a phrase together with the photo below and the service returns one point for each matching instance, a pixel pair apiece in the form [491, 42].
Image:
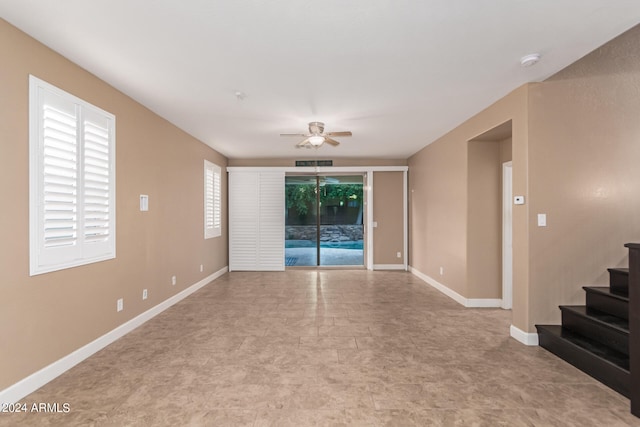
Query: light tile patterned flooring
[336, 347]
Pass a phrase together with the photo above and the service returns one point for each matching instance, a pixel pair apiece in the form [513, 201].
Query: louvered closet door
[271, 206]
[256, 221]
[243, 224]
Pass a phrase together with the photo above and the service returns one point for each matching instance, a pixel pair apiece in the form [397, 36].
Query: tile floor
[334, 348]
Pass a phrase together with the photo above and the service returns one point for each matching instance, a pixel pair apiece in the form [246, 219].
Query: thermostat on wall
[518, 200]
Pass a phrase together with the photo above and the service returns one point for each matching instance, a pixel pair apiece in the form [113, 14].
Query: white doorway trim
[507, 235]
[368, 170]
[368, 229]
[405, 215]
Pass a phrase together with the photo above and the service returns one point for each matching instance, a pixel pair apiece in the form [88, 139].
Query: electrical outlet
[201, 268]
[120, 304]
[173, 280]
[145, 294]
[399, 254]
[442, 271]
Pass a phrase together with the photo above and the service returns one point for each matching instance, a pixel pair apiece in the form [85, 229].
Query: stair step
[601, 362]
[609, 330]
[607, 301]
[619, 280]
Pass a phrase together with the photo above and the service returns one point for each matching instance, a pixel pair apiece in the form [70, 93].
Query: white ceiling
[397, 73]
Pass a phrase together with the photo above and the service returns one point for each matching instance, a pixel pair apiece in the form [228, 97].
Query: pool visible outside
[304, 253]
[348, 244]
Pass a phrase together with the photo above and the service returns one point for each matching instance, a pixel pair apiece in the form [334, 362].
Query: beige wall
[388, 212]
[442, 234]
[46, 317]
[437, 212]
[484, 220]
[575, 150]
[584, 174]
[506, 150]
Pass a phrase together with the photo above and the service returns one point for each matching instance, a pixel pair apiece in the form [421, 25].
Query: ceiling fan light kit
[316, 140]
[316, 136]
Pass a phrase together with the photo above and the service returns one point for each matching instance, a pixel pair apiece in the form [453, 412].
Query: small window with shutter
[72, 180]
[212, 200]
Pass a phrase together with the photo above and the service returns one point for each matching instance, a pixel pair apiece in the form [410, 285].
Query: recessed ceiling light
[529, 60]
[240, 95]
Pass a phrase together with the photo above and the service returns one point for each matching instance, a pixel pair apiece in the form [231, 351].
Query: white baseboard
[439, 286]
[467, 302]
[525, 338]
[388, 266]
[28, 385]
[484, 303]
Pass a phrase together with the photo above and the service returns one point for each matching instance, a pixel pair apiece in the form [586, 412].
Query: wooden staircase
[596, 339]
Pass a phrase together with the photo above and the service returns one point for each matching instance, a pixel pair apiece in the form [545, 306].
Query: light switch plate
[144, 203]
[542, 220]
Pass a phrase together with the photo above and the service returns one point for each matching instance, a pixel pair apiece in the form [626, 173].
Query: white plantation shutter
[271, 217]
[59, 203]
[72, 180]
[212, 200]
[243, 221]
[256, 221]
[208, 199]
[97, 181]
[217, 200]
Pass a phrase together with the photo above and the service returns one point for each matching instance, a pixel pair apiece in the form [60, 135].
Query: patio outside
[339, 245]
[324, 214]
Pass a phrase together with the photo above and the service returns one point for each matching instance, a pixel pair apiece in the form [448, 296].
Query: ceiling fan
[316, 136]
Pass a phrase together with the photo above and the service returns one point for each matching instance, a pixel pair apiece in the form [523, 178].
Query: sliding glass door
[301, 221]
[341, 225]
[324, 220]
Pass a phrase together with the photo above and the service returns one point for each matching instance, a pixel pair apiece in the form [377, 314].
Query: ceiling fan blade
[303, 143]
[294, 134]
[346, 133]
[331, 141]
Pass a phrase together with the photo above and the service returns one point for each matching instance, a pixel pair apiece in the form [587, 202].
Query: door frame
[368, 223]
[507, 235]
[316, 179]
[369, 170]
